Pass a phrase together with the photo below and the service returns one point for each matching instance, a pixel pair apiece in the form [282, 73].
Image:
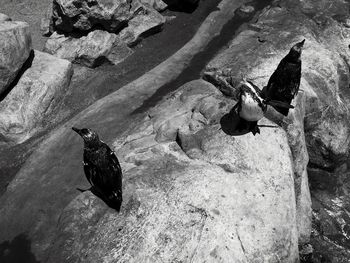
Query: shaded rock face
[318, 128]
[15, 47]
[97, 47]
[26, 108]
[191, 192]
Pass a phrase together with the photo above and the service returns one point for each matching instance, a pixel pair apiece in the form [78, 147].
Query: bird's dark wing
[284, 82]
[90, 171]
[115, 175]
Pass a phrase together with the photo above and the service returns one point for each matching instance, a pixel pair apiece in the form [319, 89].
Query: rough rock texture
[46, 22]
[97, 47]
[320, 124]
[243, 207]
[4, 17]
[158, 5]
[144, 23]
[112, 15]
[26, 108]
[15, 47]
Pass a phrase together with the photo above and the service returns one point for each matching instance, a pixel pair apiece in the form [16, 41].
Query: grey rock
[4, 17]
[29, 105]
[15, 47]
[69, 15]
[91, 50]
[143, 24]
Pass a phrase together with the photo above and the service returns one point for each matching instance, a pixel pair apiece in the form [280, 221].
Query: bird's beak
[301, 43]
[76, 130]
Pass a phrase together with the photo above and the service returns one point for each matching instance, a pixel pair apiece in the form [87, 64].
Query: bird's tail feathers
[277, 103]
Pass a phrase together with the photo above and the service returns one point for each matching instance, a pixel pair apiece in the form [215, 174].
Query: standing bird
[284, 83]
[251, 106]
[102, 169]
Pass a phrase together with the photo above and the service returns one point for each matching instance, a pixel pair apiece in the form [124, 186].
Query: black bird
[284, 83]
[251, 106]
[102, 169]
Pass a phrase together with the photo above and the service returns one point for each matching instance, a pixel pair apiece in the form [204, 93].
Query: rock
[145, 23]
[15, 47]
[322, 133]
[246, 10]
[158, 5]
[91, 50]
[31, 103]
[4, 17]
[46, 23]
[243, 192]
[69, 15]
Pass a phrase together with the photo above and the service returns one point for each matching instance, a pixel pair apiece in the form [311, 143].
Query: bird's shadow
[115, 205]
[230, 123]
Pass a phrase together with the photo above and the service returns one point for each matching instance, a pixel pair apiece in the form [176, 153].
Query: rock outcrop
[97, 47]
[318, 128]
[15, 48]
[69, 15]
[243, 207]
[27, 108]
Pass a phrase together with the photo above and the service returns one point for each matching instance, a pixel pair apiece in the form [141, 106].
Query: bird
[284, 83]
[251, 107]
[102, 169]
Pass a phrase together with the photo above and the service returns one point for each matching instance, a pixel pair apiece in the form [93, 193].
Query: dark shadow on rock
[182, 6]
[26, 65]
[229, 124]
[17, 251]
[115, 204]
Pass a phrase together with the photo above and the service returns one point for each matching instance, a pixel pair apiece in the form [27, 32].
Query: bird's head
[90, 137]
[296, 50]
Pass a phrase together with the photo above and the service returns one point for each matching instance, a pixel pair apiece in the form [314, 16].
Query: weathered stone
[28, 106]
[141, 25]
[158, 5]
[15, 47]
[242, 192]
[98, 46]
[69, 15]
[46, 23]
[323, 129]
[4, 17]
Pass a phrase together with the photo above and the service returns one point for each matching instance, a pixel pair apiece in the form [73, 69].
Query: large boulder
[29, 105]
[15, 48]
[318, 129]
[91, 50]
[192, 193]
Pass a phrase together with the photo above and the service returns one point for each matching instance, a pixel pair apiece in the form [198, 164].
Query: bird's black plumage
[102, 169]
[284, 83]
[251, 107]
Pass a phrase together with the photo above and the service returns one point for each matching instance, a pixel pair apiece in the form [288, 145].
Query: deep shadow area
[229, 124]
[182, 5]
[26, 65]
[17, 251]
[199, 61]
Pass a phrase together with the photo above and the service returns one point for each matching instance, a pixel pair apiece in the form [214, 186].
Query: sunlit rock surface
[191, 192]
[29, 105]
[91, 50]
[15, 47]
[320, 122]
